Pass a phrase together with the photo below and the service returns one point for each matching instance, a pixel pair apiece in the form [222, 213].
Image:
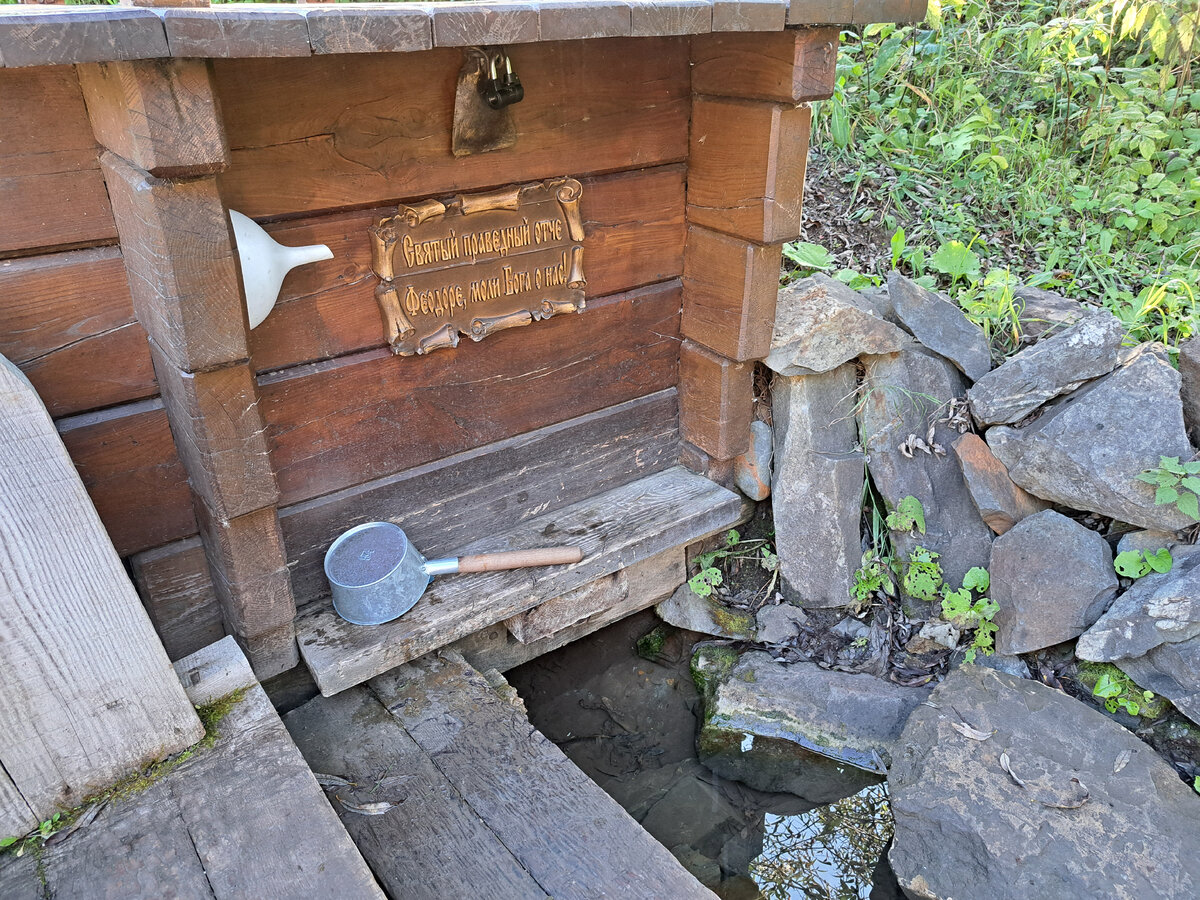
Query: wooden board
[431, 845]
[352, 419]
[716, 401]
[729, 292]
[51, 190]
[787, 67]
[572, 837]
[746, 170]
[357, 140]
[178, 593]
[159, 115]
[89, 694]
[67, 321]
[614, 529]
[129, 466]
[634, 232]
[446, 504]
[654, 577]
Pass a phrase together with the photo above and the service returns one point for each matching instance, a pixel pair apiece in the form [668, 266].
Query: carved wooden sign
[478, 263]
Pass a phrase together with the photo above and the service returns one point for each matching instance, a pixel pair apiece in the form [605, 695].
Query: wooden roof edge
[34, 35]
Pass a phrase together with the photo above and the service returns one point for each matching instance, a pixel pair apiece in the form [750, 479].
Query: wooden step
[480, 803]
[615, 529]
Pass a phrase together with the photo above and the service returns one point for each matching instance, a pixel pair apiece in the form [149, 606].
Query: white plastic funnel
[265, 263]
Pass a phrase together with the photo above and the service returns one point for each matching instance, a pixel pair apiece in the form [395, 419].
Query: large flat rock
[1099, 814]
[939, 324]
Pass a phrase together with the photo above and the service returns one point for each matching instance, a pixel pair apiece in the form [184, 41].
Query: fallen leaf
[1007, 767]
[367, 809]
[973, 733]
[1122, 761]
[1078, 796]
[332, 780]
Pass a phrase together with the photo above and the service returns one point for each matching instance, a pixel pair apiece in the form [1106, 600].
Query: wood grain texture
[345, 422]
[746, 171]
[614, 529]
[231, 31]
[129, 466]
[457, 25]
[214, 672]
[65, 37]
[445, 504]
[572, 837]
[657, 576]
[671, 17]
[89, 695]
[249, 575]
[177, 591]
[749, 15]
[716, 401]
[430, 845]
[729, 291]
[362, 29]
[357, 141]
[51, 189]
[218, 434]
[181, 265]
[566, 20]
[67, 321]
[786, 67]
[160, 115]
[633, 235]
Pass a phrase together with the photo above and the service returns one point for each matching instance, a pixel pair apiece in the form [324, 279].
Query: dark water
[631, 725]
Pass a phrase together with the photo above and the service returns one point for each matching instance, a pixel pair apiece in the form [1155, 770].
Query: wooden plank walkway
[242, 818]
[615, 529]
[480, 804]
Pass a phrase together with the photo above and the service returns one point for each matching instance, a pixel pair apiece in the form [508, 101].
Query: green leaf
[1149, 477]
[1160, 561]
[732, 539]
[1107, 687]
[977, 579]
[1131, 564]
[703, 582]
[808, 256]
[1187, 505]
[1165, 495]
[9, 841]
[897, 246]
[1193, 467]
[1171, 464]
[1191, 482]
[954, 259]
[908, 514]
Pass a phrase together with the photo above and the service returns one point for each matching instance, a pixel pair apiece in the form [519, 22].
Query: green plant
[873, 575]
[1118, 692]
[923, 575]
[1136, 563]
[967, 611]
[709, 576]
[1175, 483]
[909, 514]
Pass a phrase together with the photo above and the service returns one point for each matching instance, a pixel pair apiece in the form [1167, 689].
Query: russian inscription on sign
[477, 264]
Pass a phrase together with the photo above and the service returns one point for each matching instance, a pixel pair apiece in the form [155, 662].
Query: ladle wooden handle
[520, 559]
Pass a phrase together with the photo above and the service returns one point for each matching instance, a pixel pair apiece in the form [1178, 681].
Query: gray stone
[853, 719]
[1148, 539]
[1052, 578]
[1053, 366]
[942, 634]
[1171, 671]
[1010, 665]
[851, 629]
[1086, 449]
[881, 303]
[688, 610]
[1001, 503]
[1099, 814]
[779, 623]
[940, 325]
[903, 392]
[1157, 609]
[1189, 389]
[820, 324]
[752, 470]
[817, 486]
[1042, 312]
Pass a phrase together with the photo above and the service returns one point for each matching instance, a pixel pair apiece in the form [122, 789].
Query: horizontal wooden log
[51, 191]
[347, 421]
[218, 433]
[82, 36]
[716, 401]
[67, 321]
[671, 17]
[177, 591]
[729, 291]
[626, 524]
[129, 466]
[569, 20]
[487, 23]
[749, 16]
[356, 140]
[446, 504]
[159, 115]
[654, 577]
[181, 265]
[746, 170]
[234, 31]
[786, 67]
[634, 232]
[361, 29]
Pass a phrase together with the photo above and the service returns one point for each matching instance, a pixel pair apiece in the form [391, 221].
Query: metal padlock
[504, 90]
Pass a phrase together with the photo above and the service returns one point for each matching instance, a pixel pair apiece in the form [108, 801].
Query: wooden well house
[628, 213]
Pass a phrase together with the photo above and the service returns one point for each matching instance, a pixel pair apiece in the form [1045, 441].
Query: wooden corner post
[164, 142]
[749, 145]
